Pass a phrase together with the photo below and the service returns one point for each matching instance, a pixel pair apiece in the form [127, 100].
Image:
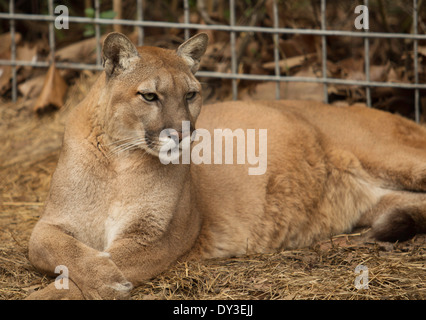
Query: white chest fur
[120, 217]
[114, 222]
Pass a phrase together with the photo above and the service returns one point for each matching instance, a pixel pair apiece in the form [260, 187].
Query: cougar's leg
[398, 156]
[93, 272]
[406, 171]
[139, 261]
[51, 292]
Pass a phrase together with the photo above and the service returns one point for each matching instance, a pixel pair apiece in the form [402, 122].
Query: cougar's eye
[149, 96]
[190, 95]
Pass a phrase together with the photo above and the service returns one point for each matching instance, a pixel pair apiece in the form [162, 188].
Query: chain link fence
[234, 75]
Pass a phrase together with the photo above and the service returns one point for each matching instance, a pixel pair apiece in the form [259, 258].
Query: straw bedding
[29, 149]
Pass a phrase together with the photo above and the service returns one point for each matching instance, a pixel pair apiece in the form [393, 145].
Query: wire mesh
[233, 29]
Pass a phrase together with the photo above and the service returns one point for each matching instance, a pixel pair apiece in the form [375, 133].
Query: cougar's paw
[104, 280]
[114, 291]
[109, 291]
[72, 292]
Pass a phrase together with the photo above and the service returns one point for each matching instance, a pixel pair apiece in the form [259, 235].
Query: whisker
[119, 141]
[132, 143]
[122, 146]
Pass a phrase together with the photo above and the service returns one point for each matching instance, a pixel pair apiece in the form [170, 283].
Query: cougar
[116, 215]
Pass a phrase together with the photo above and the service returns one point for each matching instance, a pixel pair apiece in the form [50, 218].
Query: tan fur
[116, 216]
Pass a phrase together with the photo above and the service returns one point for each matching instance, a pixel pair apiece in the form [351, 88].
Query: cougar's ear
[193, 49]
[118, 52]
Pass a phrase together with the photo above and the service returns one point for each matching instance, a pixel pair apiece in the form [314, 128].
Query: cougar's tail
[400, 223]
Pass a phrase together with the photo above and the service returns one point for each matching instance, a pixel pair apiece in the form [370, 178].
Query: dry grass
[28, 153]
[312, 273]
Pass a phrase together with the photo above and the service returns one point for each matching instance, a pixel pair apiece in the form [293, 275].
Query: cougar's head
[149, 90]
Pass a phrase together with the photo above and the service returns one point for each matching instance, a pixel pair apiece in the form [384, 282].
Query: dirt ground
[29, 149]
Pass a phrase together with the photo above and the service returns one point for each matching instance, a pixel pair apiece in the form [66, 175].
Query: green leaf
[89, 30]
[89, 12]
[107, 14]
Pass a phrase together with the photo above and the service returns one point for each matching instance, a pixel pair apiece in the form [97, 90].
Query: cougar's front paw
[70, 292]
[103, 280]
[108, 291]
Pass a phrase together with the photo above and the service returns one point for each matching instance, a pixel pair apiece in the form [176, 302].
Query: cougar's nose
[174, 134]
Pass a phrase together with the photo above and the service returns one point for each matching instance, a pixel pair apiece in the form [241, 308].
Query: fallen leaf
[53, 91]
[289, 63]
[31, 88]
[80, 52]
[298, 45]
[5, 54]
[422, 50]
[5, 41]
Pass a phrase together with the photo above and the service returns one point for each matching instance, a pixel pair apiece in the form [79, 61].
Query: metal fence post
[97, 33]
[13, 50]
[234, 66]
[324, 51]
[276, 50]
[139, 15]
[367, 63]
[186, 17]
[416, 63]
